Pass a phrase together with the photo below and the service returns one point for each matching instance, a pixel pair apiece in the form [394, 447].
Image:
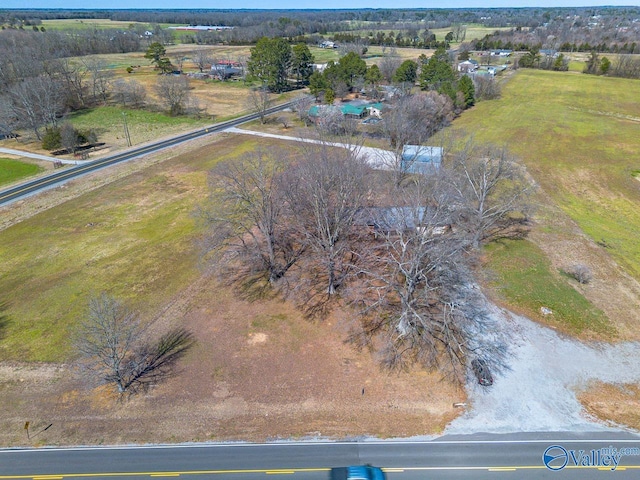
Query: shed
[420, 159]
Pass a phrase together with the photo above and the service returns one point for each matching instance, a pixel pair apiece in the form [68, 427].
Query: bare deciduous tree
[129, 93]
[495, 190]
[245, 215]
[100, 79]
[73, 78]
[173, 91]
[418, 301]
[330, 122]
[36, 102]
[68, 137]
[116, 348]
[324, 191]
[259, 101]
[301, 105]
[178, 61]
[486, 88]
[202, 58]
[388, 66]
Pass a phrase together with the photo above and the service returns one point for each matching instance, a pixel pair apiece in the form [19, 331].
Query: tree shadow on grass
[255, 287]
[4, 318]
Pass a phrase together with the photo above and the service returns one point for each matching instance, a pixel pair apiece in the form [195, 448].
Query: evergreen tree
[373, 76]
[318, 84]
[465, 85]
[351, 66]
[436, 74]
[155, 51]
[407, 72]
[157, 54]
[270, 62]
[302, 62]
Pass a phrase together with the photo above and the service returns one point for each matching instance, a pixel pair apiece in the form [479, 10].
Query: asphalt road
[472, 457]
[29, 188]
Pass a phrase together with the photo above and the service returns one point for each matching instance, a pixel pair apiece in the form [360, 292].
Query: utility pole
[126, 129]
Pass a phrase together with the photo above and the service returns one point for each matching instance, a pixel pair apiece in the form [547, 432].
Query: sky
[297, 4]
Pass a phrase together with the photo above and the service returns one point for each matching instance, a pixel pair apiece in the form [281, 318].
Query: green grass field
[87, 23]
[134, 238]
[524, 278]
[14, 170]
[144, 126]
[474, 32]
[578, 136]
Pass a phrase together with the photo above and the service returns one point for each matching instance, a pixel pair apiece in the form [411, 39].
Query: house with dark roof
[396, 220]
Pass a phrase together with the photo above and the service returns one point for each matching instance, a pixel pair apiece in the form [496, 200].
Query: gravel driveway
[537, 393]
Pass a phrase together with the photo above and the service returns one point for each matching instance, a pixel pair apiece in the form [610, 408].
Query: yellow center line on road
[159, 474]
[289, 471]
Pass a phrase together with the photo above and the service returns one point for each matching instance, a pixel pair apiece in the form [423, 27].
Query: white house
[468, 66]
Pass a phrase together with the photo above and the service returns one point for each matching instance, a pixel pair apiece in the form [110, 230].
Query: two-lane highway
[506, 456]
[29, 188]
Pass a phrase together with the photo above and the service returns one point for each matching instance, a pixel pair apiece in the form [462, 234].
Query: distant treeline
[17, 44]
[614, 33]
[331, 20]
[601, 29]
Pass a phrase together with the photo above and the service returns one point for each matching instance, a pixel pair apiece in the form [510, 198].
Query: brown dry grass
[219, 99]
[613, 403]
[258, 372]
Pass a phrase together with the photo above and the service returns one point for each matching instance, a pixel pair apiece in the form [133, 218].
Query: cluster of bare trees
[326, 229]
[606, 31]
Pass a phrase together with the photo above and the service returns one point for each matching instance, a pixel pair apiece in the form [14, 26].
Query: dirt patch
[613, 403]
[259, 372]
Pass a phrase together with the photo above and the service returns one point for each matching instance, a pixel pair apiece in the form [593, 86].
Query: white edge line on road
[360, 443]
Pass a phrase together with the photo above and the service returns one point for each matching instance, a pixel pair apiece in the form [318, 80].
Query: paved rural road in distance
[25, 189]
[463, 457]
